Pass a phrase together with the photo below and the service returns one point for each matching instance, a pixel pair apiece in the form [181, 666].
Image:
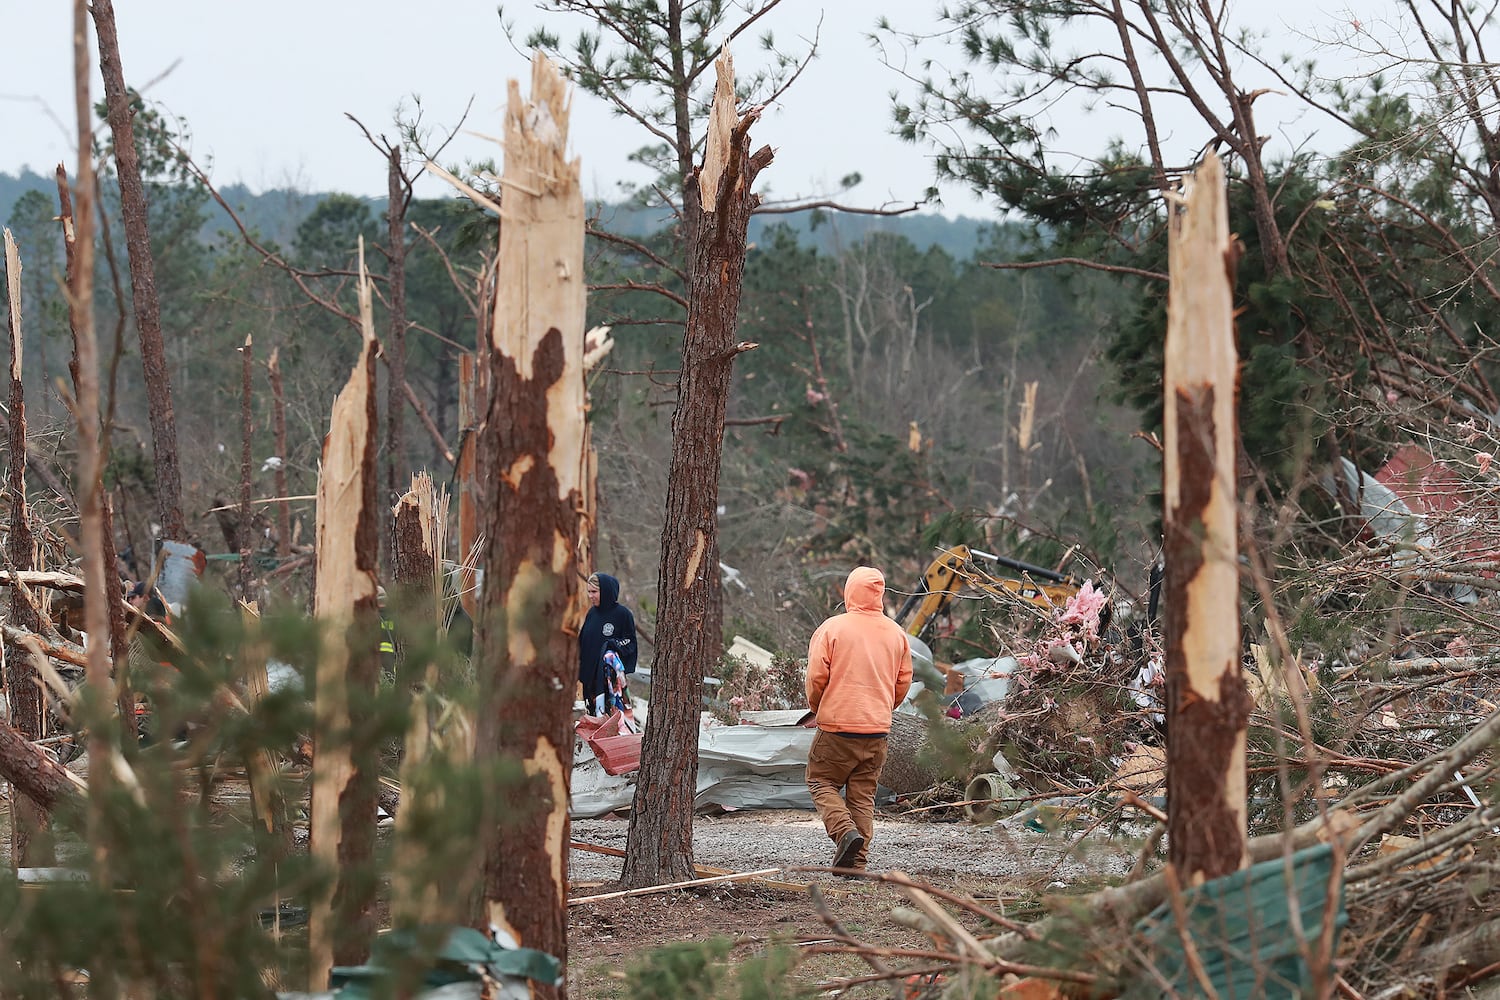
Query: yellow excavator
[958, 569]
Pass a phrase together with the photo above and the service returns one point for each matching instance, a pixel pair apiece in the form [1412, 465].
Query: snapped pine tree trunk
[1208, 708]
[395, 350]
[661, 820]
[29, 828]
[532, 468]
[345, 768]
[143, 296]
[439, 735]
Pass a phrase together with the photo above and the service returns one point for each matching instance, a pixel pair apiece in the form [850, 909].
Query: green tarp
[1241, 928]
[459, 957]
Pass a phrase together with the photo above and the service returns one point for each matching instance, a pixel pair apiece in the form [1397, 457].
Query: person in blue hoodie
[609, 627]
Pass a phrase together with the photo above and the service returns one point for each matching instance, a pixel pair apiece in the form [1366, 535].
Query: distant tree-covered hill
[828, 231]
[12, 186]
[275, 215]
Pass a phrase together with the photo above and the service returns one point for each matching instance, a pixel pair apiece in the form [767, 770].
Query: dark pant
[842, 772]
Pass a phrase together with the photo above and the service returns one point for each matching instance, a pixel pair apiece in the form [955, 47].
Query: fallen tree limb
[957, 932]
[28, 768]
[1123, 905]
[65, 651]
[1476, 948]
[71, 584]
[964, 902]
[1440, 774]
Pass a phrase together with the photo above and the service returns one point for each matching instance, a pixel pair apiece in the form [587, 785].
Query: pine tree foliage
[1361, 272]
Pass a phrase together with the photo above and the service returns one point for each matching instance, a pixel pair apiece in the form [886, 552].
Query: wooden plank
[701, 870]
[690, 884]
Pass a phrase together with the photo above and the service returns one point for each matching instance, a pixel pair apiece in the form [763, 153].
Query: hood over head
[864, 590]
[609, 591]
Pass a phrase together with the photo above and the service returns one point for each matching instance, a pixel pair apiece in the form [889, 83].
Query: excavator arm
[955, 570]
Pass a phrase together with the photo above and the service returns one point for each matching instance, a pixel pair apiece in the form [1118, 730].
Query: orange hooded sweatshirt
[859, 662]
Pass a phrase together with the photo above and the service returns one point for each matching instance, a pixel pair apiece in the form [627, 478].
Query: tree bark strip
[531, 464]
[344, 793]
[661, 821]
[142, 276]
[29, 842]
[1208, 708]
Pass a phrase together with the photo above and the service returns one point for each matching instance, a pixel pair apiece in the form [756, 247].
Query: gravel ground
[746, 841]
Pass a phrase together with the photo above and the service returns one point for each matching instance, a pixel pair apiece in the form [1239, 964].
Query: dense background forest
[918, 379]
[904, 394]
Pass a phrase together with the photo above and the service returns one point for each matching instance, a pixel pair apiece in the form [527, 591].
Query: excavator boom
[955, 571]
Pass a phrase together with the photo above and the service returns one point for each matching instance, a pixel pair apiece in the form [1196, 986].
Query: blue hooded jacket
[611, 622]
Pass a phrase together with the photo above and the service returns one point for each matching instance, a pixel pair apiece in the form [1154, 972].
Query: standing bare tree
[398, 197]
[92, 520]
[652, 70]
[142, 276]
[651, 63]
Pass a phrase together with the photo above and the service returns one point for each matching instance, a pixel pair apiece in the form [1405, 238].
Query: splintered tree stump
[1208, 708]
[345, 768]
[28, 843]
[531, 464]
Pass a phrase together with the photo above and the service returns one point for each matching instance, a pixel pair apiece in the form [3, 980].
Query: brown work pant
[850, 764]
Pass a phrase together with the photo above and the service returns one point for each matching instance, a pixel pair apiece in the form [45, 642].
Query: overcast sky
[265, 86]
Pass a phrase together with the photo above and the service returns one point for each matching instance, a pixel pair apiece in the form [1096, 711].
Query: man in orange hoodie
[858, 671]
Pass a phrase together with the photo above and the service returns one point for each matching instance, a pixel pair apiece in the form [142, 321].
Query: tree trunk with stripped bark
[1208, 708]
[346, 761]
[531, 467]
[165, 470]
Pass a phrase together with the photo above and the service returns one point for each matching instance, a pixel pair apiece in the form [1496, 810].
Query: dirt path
[1006, 865]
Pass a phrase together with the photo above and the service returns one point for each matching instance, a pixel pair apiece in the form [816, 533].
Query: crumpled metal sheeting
[739, 767]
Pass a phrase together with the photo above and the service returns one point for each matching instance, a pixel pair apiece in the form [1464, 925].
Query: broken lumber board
[669, 887]
[703, 870]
